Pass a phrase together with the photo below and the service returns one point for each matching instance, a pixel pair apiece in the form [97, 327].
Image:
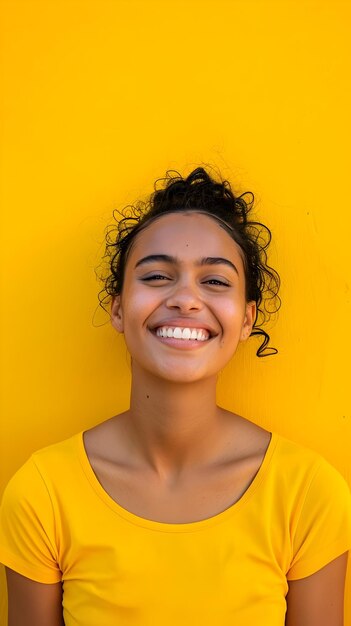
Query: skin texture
[318, 600]
[32, 603]
[174, 428]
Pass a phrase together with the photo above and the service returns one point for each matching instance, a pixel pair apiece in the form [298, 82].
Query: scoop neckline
[167, 526]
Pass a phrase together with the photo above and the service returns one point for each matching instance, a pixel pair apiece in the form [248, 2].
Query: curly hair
[202, 193]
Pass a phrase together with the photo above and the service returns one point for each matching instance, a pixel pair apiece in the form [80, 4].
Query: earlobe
[249, 321]
[116, 314]
[245, 333]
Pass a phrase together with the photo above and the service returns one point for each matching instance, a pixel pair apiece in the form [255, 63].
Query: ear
[249, 320]
[116, 313]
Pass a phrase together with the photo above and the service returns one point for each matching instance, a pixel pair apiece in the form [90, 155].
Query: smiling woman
[201, 194]
[183, 290]
[177, 510]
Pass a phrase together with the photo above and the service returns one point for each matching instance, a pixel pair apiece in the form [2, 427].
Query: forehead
[186, 235]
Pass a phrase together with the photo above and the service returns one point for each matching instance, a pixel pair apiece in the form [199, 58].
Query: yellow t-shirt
[58, 523]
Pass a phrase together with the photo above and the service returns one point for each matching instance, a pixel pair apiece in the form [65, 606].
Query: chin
[182, 376]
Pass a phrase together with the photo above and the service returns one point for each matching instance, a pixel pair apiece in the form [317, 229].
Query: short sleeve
[323, 531]
[27, 527]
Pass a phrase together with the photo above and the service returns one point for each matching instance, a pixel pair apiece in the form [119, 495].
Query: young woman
[179, 511]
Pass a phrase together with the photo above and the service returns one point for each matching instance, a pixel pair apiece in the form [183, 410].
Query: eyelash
[210, 280]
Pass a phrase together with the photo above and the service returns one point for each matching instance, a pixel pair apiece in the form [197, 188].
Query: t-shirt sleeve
[323, 530]
[27, 527]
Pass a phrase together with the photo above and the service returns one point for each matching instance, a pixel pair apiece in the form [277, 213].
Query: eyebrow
[166, 258]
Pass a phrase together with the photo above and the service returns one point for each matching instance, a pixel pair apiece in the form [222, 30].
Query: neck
[173, 426]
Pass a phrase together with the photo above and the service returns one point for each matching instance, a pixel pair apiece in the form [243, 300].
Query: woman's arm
[32, 603]
[318, 600]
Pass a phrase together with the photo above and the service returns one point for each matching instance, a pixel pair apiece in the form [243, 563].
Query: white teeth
[183, 333]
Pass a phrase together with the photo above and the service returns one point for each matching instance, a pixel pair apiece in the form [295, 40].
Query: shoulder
[312, 504]
[61, 449]
[302, 483]
[52, 460]
[318, 501]
[299, 459]
[32, 496]
[306, 474]
[286, 457]
[29, 515]
[58, 459]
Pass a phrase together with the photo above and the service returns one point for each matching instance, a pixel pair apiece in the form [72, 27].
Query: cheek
[137, 308]
[232, 319]
[233, 312]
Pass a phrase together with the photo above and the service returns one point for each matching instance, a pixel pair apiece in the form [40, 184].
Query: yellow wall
[102, 97]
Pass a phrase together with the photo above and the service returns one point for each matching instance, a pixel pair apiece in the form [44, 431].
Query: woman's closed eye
[160, 277]
[155, 277]
[216, 281]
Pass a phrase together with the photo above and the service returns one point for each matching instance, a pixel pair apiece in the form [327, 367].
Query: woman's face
[183, 272]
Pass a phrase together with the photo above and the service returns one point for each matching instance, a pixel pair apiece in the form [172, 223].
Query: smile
[176, 332]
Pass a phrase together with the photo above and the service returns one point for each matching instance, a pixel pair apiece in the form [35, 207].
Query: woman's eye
[216, 281]
[162, 277]
[155, 277]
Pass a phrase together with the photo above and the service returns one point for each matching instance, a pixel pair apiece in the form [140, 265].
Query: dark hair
[202, 193]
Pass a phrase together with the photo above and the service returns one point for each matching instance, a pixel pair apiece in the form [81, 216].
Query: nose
[184, 297]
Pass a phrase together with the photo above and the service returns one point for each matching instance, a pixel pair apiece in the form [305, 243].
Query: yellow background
[100, 99]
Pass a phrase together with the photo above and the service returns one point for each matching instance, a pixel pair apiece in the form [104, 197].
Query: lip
[182, 322]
